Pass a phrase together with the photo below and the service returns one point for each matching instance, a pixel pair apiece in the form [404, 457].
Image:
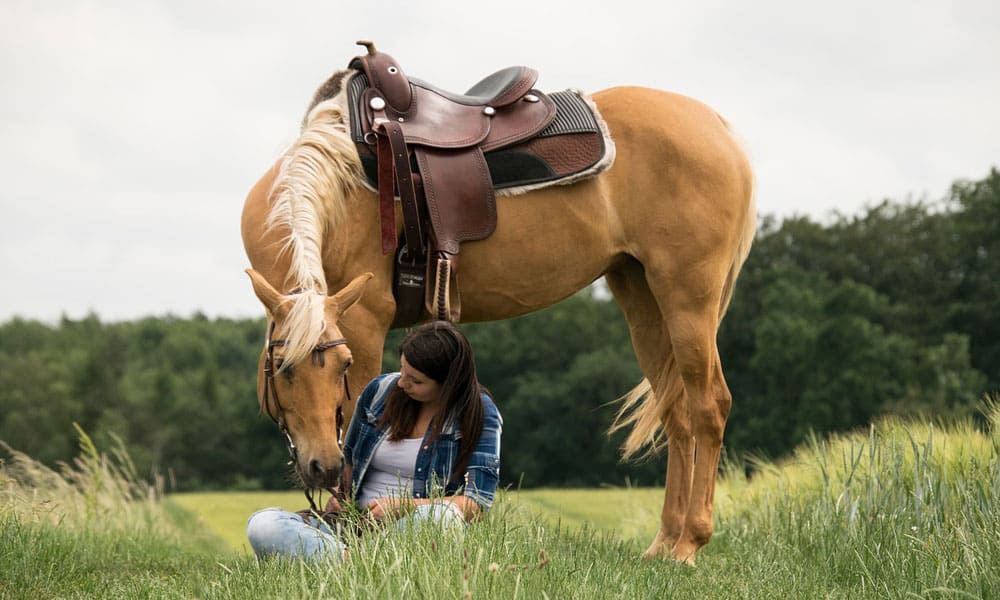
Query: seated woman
[423, 445]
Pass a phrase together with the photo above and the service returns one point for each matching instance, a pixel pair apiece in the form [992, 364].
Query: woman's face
[418, 386]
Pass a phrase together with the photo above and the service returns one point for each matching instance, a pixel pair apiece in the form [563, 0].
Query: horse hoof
[657, 551]
[684, 555]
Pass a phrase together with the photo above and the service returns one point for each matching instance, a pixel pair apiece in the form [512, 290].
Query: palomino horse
[669, 226]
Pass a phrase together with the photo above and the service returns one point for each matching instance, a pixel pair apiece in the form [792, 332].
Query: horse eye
[287, 371]
[348, 363]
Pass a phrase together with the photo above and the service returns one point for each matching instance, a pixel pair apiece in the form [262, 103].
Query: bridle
[269, 394]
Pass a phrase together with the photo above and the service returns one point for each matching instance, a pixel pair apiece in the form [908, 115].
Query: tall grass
[92, 529]
[902, 510]
[906, 508]
[96, 489]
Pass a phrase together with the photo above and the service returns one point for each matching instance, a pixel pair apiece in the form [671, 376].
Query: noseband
[270, 392]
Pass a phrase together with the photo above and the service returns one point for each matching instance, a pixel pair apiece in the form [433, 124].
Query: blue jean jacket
[436, 460]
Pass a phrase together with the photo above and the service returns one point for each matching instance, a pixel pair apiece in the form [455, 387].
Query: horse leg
[674, 321]
[693, 334]
[654, 354]
[677, 493]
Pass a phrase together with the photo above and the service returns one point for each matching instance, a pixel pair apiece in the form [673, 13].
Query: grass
[904, 510]
[92, 529]
[225, 514]
[630, 512]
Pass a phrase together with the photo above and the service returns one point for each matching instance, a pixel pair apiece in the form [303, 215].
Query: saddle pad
[574, 146]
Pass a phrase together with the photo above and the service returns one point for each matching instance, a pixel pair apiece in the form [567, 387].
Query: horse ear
[268, 296]
[349, 296]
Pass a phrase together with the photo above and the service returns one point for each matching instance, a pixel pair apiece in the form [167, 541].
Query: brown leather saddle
[444, 155]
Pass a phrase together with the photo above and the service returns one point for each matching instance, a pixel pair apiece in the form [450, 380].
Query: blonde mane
[316, 175]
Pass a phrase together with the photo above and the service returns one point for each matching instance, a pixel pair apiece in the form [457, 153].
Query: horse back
[679, 193]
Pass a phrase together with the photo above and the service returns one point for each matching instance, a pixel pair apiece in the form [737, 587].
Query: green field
[905, 510]
[629, 513]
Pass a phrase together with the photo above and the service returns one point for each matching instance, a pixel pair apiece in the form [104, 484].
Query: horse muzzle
[318, 474]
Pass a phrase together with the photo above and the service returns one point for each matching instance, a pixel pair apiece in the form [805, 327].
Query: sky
[131, 131]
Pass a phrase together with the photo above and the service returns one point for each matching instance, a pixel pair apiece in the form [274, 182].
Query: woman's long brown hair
[441, 351]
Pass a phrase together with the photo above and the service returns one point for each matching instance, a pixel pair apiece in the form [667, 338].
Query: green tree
[976, 243]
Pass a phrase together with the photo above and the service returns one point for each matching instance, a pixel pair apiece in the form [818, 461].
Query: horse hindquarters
[689, 221]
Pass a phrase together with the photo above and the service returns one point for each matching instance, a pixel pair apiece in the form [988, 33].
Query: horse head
[302, 375]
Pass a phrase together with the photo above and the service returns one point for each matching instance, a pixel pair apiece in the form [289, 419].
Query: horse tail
[647, 413]
[309, 192]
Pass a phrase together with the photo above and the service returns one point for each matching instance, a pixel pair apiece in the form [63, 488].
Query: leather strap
[386, 196]
[408, 289]
[390, 132]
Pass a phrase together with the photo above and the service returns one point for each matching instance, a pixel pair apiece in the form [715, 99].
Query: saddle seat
[499, 89]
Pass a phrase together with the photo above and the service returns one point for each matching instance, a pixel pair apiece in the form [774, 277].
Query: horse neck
[353, 246]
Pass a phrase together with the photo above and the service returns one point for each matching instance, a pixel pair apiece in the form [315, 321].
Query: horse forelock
[302, 327]
[314, 179]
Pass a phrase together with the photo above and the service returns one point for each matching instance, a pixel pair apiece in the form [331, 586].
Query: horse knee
[710, 416]
[678, 430]
[710, 422]
[723, 399]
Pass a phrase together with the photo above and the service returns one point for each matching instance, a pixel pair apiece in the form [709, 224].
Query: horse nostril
[316, 469]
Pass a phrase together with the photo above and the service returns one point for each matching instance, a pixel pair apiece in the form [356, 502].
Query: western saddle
[430, 149]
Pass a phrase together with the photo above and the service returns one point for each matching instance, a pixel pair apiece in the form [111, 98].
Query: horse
[668, 225]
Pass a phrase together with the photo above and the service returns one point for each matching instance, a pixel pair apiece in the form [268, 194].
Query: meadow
[902, 510]
[630, 512]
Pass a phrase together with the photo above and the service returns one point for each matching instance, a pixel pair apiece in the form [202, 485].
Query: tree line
[833, 323]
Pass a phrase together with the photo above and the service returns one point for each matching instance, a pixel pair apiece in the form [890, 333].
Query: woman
[423, 445]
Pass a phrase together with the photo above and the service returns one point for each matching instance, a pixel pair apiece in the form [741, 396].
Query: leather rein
[269, 396]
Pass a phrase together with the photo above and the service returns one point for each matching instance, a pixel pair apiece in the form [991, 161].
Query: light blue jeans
[276, 532]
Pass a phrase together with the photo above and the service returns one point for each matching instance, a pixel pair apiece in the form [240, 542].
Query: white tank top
[390, 473]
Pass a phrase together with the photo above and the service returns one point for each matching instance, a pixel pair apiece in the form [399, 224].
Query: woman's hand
[382, 509]
[468, 507]
[333, 505]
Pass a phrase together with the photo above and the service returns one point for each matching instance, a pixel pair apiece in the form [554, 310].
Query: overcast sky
[131, 130]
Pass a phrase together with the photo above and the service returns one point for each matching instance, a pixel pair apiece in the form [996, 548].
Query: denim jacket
[436, 460]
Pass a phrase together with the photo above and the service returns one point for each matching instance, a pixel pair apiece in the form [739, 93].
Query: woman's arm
[381, 509]
[483, 471]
